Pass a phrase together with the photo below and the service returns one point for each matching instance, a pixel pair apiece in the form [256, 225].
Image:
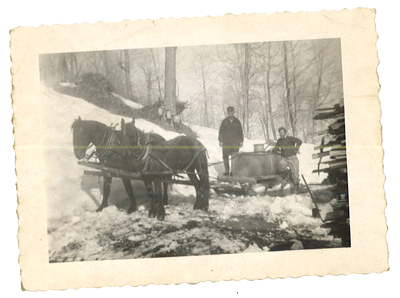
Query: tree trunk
[264, 105]
[170, 79]
[203, 81]
[212, 111]
[149, 85]
[62, 68]
[157, 75]
[287, 85]
[127, 69]
[271, 118]
[205, 104]
[107, 67]
[246, 86]
[315, 104]
[73, 67]
[295, 107]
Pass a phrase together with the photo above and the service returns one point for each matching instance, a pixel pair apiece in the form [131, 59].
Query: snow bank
[69, 192]
[130, 103]
[113, 234]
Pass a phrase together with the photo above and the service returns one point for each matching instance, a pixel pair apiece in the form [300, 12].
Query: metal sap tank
[255, 164]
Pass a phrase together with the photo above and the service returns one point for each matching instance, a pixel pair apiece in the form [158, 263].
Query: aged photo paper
[65, 244]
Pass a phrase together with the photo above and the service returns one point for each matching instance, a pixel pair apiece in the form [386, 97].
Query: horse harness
[102, 152]
[147, 155]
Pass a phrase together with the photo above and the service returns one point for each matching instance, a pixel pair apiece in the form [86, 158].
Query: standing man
[230, 137]
[288, 148]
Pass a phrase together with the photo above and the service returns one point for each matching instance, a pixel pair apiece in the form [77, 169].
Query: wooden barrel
[259, 147]
[255, 164]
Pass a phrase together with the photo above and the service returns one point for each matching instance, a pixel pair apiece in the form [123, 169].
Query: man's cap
[281, 128]
[230, 109]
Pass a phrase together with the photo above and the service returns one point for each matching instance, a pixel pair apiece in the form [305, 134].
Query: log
[336, 125]
[334, 161]
[339, 203]
[337, 152]
[334, 224]
[335, 216]
[328, 115]
[340, 231]
[336, 107]
[333, 145]
[114, 172]
[268, 177]
[319, 155]
[236, 179]
[338, 165]
[175, 181]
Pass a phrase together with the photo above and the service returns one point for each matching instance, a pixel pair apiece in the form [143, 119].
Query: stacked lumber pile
[333, 145]
[333, 161]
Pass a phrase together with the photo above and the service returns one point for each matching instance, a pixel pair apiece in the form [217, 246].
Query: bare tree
[144, 62]
[203, 69]
[288, 89]
[126, 66]
[243, 56]
[170, 79]
[267, 63]
[158, 73]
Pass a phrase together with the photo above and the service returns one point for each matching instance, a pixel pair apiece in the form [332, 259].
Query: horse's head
[80, 139]
[130, 134]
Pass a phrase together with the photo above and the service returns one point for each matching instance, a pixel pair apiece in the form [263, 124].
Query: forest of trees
[270, 84]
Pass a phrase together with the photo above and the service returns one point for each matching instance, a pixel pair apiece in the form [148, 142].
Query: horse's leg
[159, 199]
[106, 192]
[196, 184]
[129, 190]
[150, 194]
[149, 188]
[152, 197]
[202, 171]
[205, 189]
[165, 194]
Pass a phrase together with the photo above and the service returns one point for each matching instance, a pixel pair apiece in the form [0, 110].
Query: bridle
[103, 150]
[144, 154]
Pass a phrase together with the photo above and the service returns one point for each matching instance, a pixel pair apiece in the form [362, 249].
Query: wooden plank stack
[333, 161]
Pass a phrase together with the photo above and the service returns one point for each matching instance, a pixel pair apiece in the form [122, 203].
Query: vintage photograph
[196, 150]
[199, 149]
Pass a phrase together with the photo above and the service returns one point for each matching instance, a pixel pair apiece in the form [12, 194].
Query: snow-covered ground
[77, 232]
[130, 103]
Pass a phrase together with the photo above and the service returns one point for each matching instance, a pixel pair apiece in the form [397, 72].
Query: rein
[145, 153]
[103, 151]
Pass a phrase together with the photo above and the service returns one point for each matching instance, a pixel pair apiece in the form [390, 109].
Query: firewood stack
[333, 161]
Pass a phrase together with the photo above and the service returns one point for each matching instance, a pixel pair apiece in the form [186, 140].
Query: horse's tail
[203, 166]
[204, 177]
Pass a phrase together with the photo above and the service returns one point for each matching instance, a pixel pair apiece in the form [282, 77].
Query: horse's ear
[122, 124]
[133, 120]
[79, 118]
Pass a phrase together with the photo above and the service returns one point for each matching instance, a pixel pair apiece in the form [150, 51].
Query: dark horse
[162, 160]
[110, 152]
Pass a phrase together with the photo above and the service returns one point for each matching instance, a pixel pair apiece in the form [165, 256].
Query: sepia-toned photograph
[200, 150]
[191, 150]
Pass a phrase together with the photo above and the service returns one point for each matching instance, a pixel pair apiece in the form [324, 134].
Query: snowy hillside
[72, 197]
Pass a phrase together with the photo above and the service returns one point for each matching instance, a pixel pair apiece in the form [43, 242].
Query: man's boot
[285, 179]
[295, 189]
[226, 165]
[284, 182]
